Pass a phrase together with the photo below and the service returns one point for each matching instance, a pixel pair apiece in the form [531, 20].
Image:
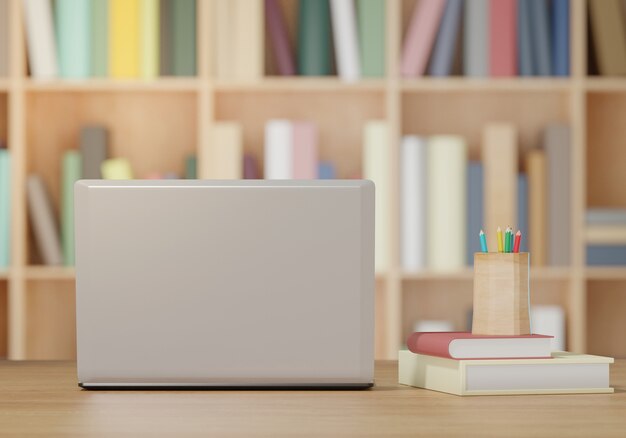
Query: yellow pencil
[500, 243]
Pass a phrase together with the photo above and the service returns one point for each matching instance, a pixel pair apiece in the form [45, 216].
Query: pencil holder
[501, 294]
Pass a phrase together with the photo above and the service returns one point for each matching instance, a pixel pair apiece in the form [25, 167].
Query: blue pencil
[483, 241]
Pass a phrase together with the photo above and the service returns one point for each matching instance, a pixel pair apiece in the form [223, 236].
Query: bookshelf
[40, 120]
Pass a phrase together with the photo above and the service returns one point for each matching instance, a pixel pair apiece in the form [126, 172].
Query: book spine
[226, 153]
[608, 36]
[304, 150]
[166, 31]
[522, 210]
[540, 34]
[557, 146]
[277, 28]
[5, 208]
[278, 149]
[42, 50]
[4, 38]
[445, 45]
[420, 37]
[150, 38]
[250, 167]
[476, 38]
[44, 225]
[116, 168]
[249, 37]
[343, 20]
[73, 37]
[606, 255]
[326, 170]
[377, 167]
[560, 37]
[503, 37]
[422, 343]
[93, 150]
[124, 38]
[184, 38]
[314, 52]
[475, 208]
[71, 173]
[524, 39]
[413, 195]
[537, 206]
[99, 38]
[499, 154]
[191, 167]
[447, 203]
[371, 25]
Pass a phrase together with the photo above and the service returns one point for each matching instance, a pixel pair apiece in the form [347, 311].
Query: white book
[223, 156]
[447, 203]
[376, 167]
[249, 39]
[413, 197]
[278, 149]
[45, 227]
[42, 51]
[343, 18]
[549, 320]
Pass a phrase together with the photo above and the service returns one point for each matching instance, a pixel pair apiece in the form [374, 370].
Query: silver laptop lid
[224, 282]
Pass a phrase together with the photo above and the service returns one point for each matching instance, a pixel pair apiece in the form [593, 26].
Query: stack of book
[111, 38]
[488, 38]
[461, 363]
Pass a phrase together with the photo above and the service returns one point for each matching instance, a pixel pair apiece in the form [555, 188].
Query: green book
[314, 38]
[99, 38]
[184, 37]
[371, 24]
[191, 167]
[72, 166]
[73, 37]
[5, 208]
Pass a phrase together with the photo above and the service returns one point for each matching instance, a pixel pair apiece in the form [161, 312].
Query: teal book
[184, 37]
[371, 25]
[73, 20]
[72, 167]
[191, 167]
[314, 49]
[5, 208]
[99, 38]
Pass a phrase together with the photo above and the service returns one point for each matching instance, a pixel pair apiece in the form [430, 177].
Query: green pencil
[507, 241]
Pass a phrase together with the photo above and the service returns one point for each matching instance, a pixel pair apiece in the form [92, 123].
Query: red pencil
[518, 239]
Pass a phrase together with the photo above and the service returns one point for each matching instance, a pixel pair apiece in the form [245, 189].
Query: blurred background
[467, 114]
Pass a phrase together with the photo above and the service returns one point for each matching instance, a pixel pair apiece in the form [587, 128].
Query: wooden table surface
[43, 398]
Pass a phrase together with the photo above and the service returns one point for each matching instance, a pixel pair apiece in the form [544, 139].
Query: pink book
[280, 40]
[304, 150]
[503, 37]
[420, 37]
[464, 345]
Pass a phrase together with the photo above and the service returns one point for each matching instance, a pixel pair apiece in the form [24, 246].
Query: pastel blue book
[326, 170]
[73, 34]
[5, 208]
[560, 37]
[539, 18]
[474, 209]
[606, 255]
[522, 210]
[445, 45]
[524, 39]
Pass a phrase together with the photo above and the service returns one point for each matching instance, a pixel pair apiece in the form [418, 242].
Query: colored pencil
[506, 240]
[511, 240]
[500, 243]
[518, 240]
[483, 241]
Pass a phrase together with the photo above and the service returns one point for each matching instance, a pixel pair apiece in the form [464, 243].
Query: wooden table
[42, 397]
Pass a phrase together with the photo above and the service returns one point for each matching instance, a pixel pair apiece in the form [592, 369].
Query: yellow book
[116, 168]
[149, 38]
[124, 38]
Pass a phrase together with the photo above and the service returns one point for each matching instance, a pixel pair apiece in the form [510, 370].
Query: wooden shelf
[606, 273]
[163, 85]
[4, 274]
[460, 84]
[605, 85]
[605, 234]
[301, 84]
[50, 273]
[4, 84]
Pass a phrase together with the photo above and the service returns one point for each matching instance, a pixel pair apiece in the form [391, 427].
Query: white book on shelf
[376, 167]
[549, 320]
[223, 156]
[447, 209]
[413, 198]
[279, 149]
[343, 18]
[42, 52]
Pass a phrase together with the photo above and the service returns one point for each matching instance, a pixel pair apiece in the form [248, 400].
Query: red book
[464, 345]
[503, 37]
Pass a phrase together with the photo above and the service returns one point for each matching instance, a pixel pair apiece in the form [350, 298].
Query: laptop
[191, 283]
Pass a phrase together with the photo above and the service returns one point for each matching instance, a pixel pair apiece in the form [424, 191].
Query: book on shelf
[414, 179]
[116, 168]
[522, 210]
[476, 38]
[99, 52]
[71, 172]
[537, 173]
[250, 167]
[445, 48]
[314, 46]
[278, 149]
[94, 150]
[183, 36]
[420, 37]
[475, 208]
[4, 38]
[525, 59]
[44, 224]
[465, 345]
[149, 38]
[371, 25]
[377, 167]
[557, 145]
[326, 170]
[609, 36]
[224, 154]
[563, 373]
[344, 27]
[166, 37]
[5, 208]
[42, 49]
[605, 216]
[606, 255]
[305, 150]
[191, 167]
[560, 37]
[447, 203]
[124, 38]
[540, 33]
[550, 320]
[502, 37]
[73, 34]
[279, 38]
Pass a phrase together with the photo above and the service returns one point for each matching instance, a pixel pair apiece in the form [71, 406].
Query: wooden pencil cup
[501, 294]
